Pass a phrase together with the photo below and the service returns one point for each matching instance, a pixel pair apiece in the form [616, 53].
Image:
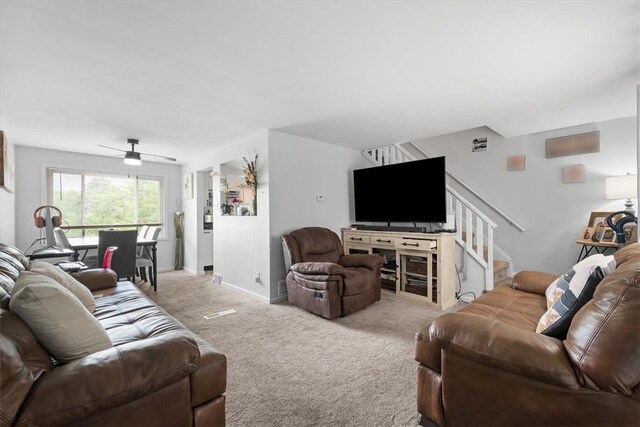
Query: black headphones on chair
[56, 220]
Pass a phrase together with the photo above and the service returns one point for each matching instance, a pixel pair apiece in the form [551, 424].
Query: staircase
[469, 221]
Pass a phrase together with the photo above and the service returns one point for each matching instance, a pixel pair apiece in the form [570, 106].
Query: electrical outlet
[282, 287]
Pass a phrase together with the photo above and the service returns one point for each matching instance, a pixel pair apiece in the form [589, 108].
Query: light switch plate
[320, 198]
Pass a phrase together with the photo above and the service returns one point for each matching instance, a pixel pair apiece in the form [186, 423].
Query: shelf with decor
[419, 266]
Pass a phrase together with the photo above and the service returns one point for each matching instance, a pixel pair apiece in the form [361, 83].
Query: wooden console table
[420, 266]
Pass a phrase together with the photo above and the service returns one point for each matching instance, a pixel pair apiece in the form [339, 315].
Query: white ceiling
[183, 75]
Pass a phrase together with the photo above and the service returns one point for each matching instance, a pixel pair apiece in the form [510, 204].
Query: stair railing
[475, 224]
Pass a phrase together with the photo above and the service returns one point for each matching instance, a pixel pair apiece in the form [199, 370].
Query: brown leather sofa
[322, 279]
[485, 364]
[157, 372]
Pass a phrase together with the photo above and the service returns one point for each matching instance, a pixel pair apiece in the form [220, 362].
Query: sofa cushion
[128, 315]
[603, 341]
[511, 306]
[15, 263]
[64, 279]
[9, 269]
[570, 292]
[22, 362]
[7, 283]
[57, 318]
[15, 252]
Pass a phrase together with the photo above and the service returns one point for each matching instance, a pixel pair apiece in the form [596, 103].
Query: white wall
[7, 217]
[300, 169]
[553, 213]
[240, 244]
[31, 166]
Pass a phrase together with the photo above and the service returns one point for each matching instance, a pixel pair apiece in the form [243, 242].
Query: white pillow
[572, 291]
[553, 292]
[65, 279]
[58, 320]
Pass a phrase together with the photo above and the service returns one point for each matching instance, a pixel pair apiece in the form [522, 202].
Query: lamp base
[629, 207]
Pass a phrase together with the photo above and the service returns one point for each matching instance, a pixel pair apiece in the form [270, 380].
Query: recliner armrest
[492, 343]
[97, 278]
[318, 268]
[533, 282]
[109, 378]
[371, 262]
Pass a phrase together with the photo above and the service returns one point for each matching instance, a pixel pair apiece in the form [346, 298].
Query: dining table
[87, 243]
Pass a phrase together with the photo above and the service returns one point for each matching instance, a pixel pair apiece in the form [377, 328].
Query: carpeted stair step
[500, 271]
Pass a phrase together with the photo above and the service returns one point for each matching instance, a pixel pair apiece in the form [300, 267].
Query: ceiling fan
[132, 157]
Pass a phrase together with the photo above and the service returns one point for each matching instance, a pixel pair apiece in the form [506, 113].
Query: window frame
[49, 170]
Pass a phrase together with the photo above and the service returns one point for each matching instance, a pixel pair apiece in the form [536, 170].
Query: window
[92, 200]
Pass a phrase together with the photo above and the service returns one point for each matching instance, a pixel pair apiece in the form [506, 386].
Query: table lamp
[623, 187]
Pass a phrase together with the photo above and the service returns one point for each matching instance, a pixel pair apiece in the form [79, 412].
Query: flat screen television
[405, 192]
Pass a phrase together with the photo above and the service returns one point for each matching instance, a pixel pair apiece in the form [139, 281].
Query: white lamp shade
[622, 187]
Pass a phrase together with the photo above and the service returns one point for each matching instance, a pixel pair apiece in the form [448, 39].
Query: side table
[600, 248]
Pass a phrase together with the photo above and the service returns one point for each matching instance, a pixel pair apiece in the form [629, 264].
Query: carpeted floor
[288, 367]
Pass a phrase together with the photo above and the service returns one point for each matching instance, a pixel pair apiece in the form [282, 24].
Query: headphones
[56, 220]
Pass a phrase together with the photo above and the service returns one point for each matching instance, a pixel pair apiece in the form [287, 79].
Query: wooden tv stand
[420, 266]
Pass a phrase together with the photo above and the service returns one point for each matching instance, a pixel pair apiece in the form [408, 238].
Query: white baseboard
[278, 299]
[263, 298]
[190, 271]
[165, 269]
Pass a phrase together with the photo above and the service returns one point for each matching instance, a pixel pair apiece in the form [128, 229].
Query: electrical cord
[458, 293]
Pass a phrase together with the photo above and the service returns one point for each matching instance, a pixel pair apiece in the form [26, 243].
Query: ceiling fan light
[132, 158]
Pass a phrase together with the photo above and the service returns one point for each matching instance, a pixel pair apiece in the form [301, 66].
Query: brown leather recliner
[325, 281]
[486, 365]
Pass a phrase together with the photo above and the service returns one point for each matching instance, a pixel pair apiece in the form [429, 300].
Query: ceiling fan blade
[111, 148]
[157, 155]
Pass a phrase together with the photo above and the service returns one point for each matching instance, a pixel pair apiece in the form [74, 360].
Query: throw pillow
[574, 289]
[65, 279]
[59, 321]
[557, 287]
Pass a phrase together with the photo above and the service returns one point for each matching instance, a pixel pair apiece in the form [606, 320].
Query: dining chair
[62, 240]
[124, 259]
[144, 261]
[142, 234]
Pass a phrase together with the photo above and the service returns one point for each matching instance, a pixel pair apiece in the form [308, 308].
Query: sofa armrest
[533, 282]
[97, 278]
[109, 378]
[318, 268]
[490, 342]
[371, 262]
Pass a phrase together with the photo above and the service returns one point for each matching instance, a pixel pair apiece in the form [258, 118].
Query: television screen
[405, 192]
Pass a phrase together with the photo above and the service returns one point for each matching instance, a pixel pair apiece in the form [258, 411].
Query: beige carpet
[287, 367]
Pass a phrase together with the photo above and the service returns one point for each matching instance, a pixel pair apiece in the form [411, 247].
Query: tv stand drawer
[381, 241]
[416, 244]
[356, 238]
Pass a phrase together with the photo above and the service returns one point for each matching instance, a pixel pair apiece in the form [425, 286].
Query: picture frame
[586, 234]
[187, 186]
[479, 144]
[608, 236]
[597, 217]
[7, 164]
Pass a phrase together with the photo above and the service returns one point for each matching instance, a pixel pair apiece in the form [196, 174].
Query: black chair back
[124, 259]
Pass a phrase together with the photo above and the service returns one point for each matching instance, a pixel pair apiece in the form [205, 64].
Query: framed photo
[599, 217]
[187, 186]
[7, 164]
[608, 236]
[586, 233]
[479, 144]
